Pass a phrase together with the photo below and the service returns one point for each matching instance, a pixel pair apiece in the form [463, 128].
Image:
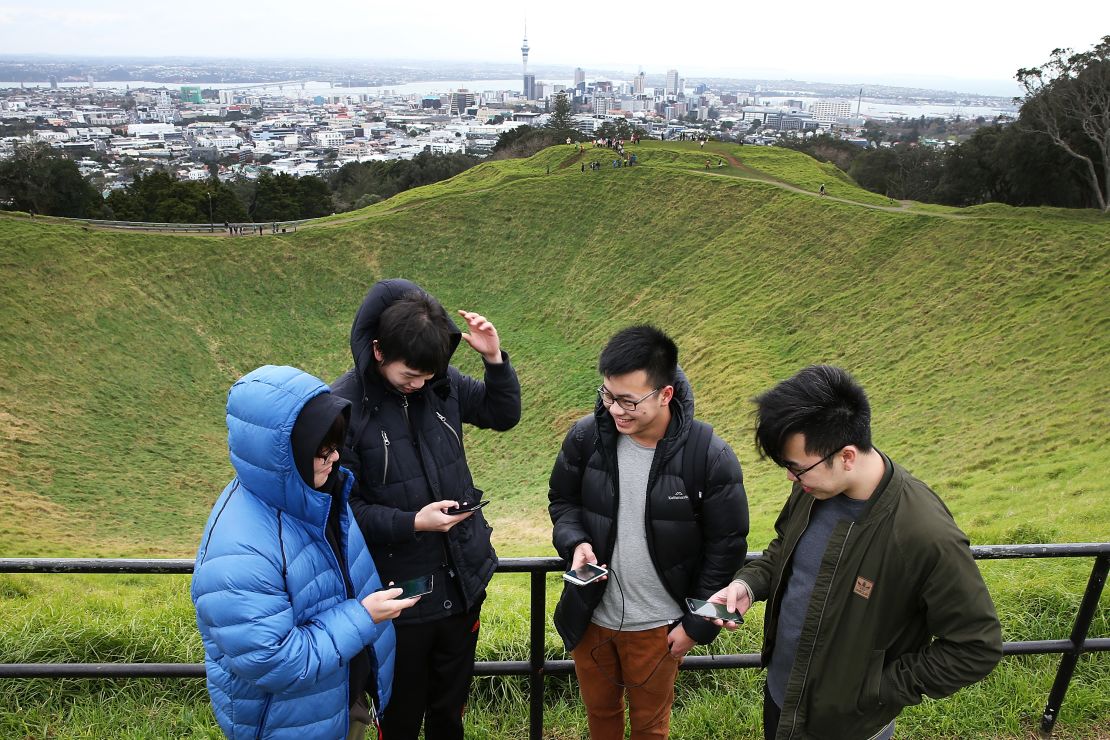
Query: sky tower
[524, 48]
[529, 80]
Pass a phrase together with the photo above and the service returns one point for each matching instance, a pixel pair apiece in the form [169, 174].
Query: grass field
[982, 335]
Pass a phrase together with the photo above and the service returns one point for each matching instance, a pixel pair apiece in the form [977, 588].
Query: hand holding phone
[585, 575]
[386, 603]
[712, 610]
[465, 507]
[412, 587]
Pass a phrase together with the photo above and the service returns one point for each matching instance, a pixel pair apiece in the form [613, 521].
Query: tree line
[41, 180]
[1057, 153]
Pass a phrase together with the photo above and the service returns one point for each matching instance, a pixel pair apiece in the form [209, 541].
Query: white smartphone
[585, 575]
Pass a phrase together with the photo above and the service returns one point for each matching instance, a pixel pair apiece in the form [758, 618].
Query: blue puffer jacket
[277, 627]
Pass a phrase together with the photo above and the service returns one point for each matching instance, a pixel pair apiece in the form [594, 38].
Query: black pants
[771, 713]
[431, 678]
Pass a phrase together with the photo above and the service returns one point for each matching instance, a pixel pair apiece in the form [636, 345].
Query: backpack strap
[585, 442]
[694, 454]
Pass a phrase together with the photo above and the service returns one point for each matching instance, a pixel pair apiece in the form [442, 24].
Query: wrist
[493, 359]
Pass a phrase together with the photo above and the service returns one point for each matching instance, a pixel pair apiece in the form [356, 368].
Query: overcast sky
[973, 45]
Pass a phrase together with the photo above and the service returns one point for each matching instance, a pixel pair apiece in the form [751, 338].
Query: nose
[416, 384]
[790, 475]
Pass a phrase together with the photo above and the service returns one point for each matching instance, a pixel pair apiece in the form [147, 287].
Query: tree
[1067, 99]
[314, 198]
[39, 179]
[560, 119]
[161, 198]
[874, 133]
[276, 198]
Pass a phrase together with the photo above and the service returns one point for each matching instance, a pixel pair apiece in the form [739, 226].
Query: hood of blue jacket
[262, 407]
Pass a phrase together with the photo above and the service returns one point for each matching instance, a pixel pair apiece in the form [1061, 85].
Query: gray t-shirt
[635, 598]
[805, 564]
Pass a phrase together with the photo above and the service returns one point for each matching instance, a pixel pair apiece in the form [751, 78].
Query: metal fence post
[536, 654]
[1078, 637]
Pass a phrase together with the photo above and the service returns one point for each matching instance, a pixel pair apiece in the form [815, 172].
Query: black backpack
[694, 454]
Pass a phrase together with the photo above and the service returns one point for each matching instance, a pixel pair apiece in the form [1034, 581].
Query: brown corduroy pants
[609, 664]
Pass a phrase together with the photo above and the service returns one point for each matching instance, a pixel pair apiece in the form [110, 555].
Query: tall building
[460, 100]
[638, 84]
[579, 79]
[529, 87]
[672, 81]
[828, 111]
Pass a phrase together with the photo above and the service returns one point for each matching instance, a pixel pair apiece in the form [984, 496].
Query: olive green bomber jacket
[899, 610]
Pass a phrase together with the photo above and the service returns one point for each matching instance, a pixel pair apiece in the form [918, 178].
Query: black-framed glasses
[799, 473]
[326, 453]
[608, 399]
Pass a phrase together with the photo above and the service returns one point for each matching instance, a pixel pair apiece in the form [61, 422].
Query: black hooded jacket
[693, 559]
[401, 465]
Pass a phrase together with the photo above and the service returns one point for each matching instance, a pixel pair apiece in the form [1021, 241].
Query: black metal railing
[537, 667]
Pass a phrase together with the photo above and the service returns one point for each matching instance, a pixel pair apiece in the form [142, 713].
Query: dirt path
[904, 206]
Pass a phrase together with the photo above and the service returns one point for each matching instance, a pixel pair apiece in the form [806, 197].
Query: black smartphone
[465, 507]
[713, 610]
[412, 587]
[585, 575]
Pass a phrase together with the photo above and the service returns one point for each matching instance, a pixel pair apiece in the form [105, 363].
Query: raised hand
[482, 336]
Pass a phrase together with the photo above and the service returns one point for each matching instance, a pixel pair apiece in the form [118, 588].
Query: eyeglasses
[799, 473]
[326, 453]
[608, 399]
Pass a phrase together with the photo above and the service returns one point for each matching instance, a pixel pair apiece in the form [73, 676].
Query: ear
[666, 394]
[377, 352]
[850, 455]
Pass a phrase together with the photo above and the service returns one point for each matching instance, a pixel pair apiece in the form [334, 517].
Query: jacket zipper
[385, 451]
[786, 560]
[450, 428]
[405, 411]
[820, 618]
[262, 719]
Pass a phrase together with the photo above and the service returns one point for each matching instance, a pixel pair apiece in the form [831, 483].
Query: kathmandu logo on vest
[863, 587]
[678, 496]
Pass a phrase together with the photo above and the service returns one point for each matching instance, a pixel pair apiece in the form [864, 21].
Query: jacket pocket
[872, 679]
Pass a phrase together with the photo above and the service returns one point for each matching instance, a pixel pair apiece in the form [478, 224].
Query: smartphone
[713, 610]
[585, 575]
[465, 507]
[412, 587]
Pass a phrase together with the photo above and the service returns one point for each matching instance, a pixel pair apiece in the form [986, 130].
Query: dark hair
[415, 330]
[822, 402]
[336, 434]
[644, 348]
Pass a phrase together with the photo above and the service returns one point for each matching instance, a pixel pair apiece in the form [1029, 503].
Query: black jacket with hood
[406, 451]
[692, 558]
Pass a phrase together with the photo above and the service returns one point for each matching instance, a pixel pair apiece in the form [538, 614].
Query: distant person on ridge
[296, 631]
[874, 598]
[644, 486]
[405, 447]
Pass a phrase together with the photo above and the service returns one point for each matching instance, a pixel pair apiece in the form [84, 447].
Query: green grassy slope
[981, 334]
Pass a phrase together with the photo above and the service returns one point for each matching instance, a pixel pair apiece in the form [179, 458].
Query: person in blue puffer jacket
[297, 638]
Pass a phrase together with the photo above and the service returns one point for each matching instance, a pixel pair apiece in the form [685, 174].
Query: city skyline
[976, 50]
